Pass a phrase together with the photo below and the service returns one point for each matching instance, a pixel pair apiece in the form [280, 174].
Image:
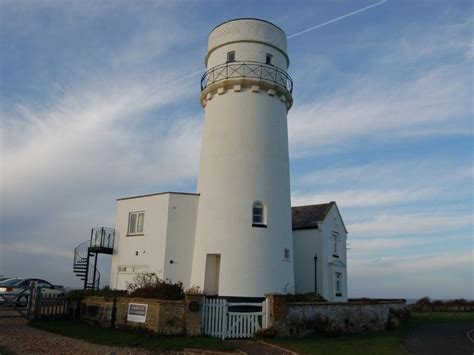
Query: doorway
[211, 281]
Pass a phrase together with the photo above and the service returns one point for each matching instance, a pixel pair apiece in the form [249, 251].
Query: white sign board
[137, 312]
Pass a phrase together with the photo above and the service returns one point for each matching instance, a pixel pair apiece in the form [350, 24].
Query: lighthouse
[243, 241]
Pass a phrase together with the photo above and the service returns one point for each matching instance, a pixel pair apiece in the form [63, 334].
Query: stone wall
[304, 318]
[163, 317]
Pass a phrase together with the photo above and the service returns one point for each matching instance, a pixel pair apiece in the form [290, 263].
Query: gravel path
[19, 338]
[16, 336]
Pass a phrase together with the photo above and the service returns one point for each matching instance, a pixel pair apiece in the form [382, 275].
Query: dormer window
[258, 215]
[230, 57]
[268, 59]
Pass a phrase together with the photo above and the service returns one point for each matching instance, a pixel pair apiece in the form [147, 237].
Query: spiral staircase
[86, 255]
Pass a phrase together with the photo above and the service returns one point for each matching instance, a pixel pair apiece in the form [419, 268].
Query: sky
[100, 100]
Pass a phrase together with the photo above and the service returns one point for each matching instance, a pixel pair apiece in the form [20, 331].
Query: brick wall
[302, 318]
[163, 317]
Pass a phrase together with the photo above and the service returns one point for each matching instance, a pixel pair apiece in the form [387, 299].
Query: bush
[106, 292]
[425, 301]
[305, 297]
[150, 285]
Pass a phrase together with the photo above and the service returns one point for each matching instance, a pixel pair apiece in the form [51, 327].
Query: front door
[211, 281]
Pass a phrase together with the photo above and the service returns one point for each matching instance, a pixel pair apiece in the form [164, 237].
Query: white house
[237, 236]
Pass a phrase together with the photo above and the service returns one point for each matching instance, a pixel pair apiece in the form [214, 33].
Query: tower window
[230, 57]
[135, 222]
[338, 283]
[268, 58]
[287, 253]
[258, 215]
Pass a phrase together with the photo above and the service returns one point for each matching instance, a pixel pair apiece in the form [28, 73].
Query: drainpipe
[315, 273]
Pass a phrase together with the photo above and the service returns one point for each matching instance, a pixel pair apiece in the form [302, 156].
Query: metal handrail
[102, 237]
[248, 69]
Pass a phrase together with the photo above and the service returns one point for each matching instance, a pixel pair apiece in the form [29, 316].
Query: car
[2, 278]
[16, 290]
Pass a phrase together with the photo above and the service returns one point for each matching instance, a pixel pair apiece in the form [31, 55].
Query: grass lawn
[118, 337]
[4, 351]
[390, 342]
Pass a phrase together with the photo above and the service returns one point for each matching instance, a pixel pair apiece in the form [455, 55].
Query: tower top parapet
[247, 30]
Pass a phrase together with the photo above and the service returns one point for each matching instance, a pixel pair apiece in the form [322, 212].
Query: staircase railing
[102, 237]
[80, 252]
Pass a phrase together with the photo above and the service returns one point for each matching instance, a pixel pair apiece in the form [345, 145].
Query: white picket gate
[219, 322]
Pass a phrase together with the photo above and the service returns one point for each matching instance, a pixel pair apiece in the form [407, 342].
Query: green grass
[5, 351]
[123, 338]
[389, 342]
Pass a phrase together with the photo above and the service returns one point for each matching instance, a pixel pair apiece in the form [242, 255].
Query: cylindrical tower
[243, 244]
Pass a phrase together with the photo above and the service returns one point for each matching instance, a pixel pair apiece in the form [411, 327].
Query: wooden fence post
[37, 304]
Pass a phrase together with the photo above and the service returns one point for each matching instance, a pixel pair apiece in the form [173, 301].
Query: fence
[43, 304]
[223, 319]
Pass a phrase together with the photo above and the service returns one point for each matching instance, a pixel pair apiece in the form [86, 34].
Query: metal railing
[102, 237]
[253, 70]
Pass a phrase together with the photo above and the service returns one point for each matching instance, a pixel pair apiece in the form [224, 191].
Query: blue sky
[91, 110]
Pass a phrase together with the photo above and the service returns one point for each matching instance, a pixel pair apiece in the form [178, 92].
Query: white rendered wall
[180, 237]
[168, 234]
[244, 159]
[307, 243]
[150, 246]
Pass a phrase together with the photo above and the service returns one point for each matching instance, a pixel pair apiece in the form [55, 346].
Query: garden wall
[306, 318]
[163, 317]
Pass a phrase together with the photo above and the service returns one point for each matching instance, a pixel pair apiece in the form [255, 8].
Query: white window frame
[230, 57]
[137, 230]
[338, 282]
[268, 59]
[263, 215]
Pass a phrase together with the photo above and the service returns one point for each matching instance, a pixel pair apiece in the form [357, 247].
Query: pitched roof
[305, 217]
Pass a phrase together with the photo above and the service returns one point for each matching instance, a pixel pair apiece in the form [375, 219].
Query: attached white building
[234, 237]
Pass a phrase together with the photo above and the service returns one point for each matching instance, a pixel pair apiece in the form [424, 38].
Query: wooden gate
[225, 320]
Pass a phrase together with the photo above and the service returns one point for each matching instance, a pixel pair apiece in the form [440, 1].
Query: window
[338, 283]
[268, 58]
[135, 222]
[230, 56]
[287, 253]
[335, 235]
[258, 214]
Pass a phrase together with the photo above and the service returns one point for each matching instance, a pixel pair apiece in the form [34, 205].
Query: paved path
[259, 348]
[440, 338]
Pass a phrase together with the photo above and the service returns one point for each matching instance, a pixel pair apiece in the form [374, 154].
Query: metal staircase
[86, 254]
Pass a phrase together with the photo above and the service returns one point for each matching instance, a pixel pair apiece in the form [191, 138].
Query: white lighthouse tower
[243, 242]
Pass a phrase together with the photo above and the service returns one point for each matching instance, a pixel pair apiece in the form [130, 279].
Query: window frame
[338, 283]
[268, 58]
[263, 215]
[230, 57]
[137, 224]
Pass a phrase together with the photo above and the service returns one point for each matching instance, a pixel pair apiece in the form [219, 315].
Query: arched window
[258, 215]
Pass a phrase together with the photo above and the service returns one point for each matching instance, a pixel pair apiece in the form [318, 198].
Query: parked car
[2, 278]
[16, 290]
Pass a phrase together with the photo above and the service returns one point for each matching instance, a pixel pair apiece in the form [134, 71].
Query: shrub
[150, 285]
[305, 297]
[194, 290]
[106, 292]
[425, 301]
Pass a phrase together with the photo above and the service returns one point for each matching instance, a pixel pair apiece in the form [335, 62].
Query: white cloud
[367, 197]
[391, 224]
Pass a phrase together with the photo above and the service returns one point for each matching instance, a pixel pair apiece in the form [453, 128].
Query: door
[211, 281]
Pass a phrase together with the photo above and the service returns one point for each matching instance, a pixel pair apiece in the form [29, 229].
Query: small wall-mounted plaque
[137, 312]
[193, 306]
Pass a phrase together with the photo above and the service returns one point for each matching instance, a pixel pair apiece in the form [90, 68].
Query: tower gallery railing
[254, 70]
